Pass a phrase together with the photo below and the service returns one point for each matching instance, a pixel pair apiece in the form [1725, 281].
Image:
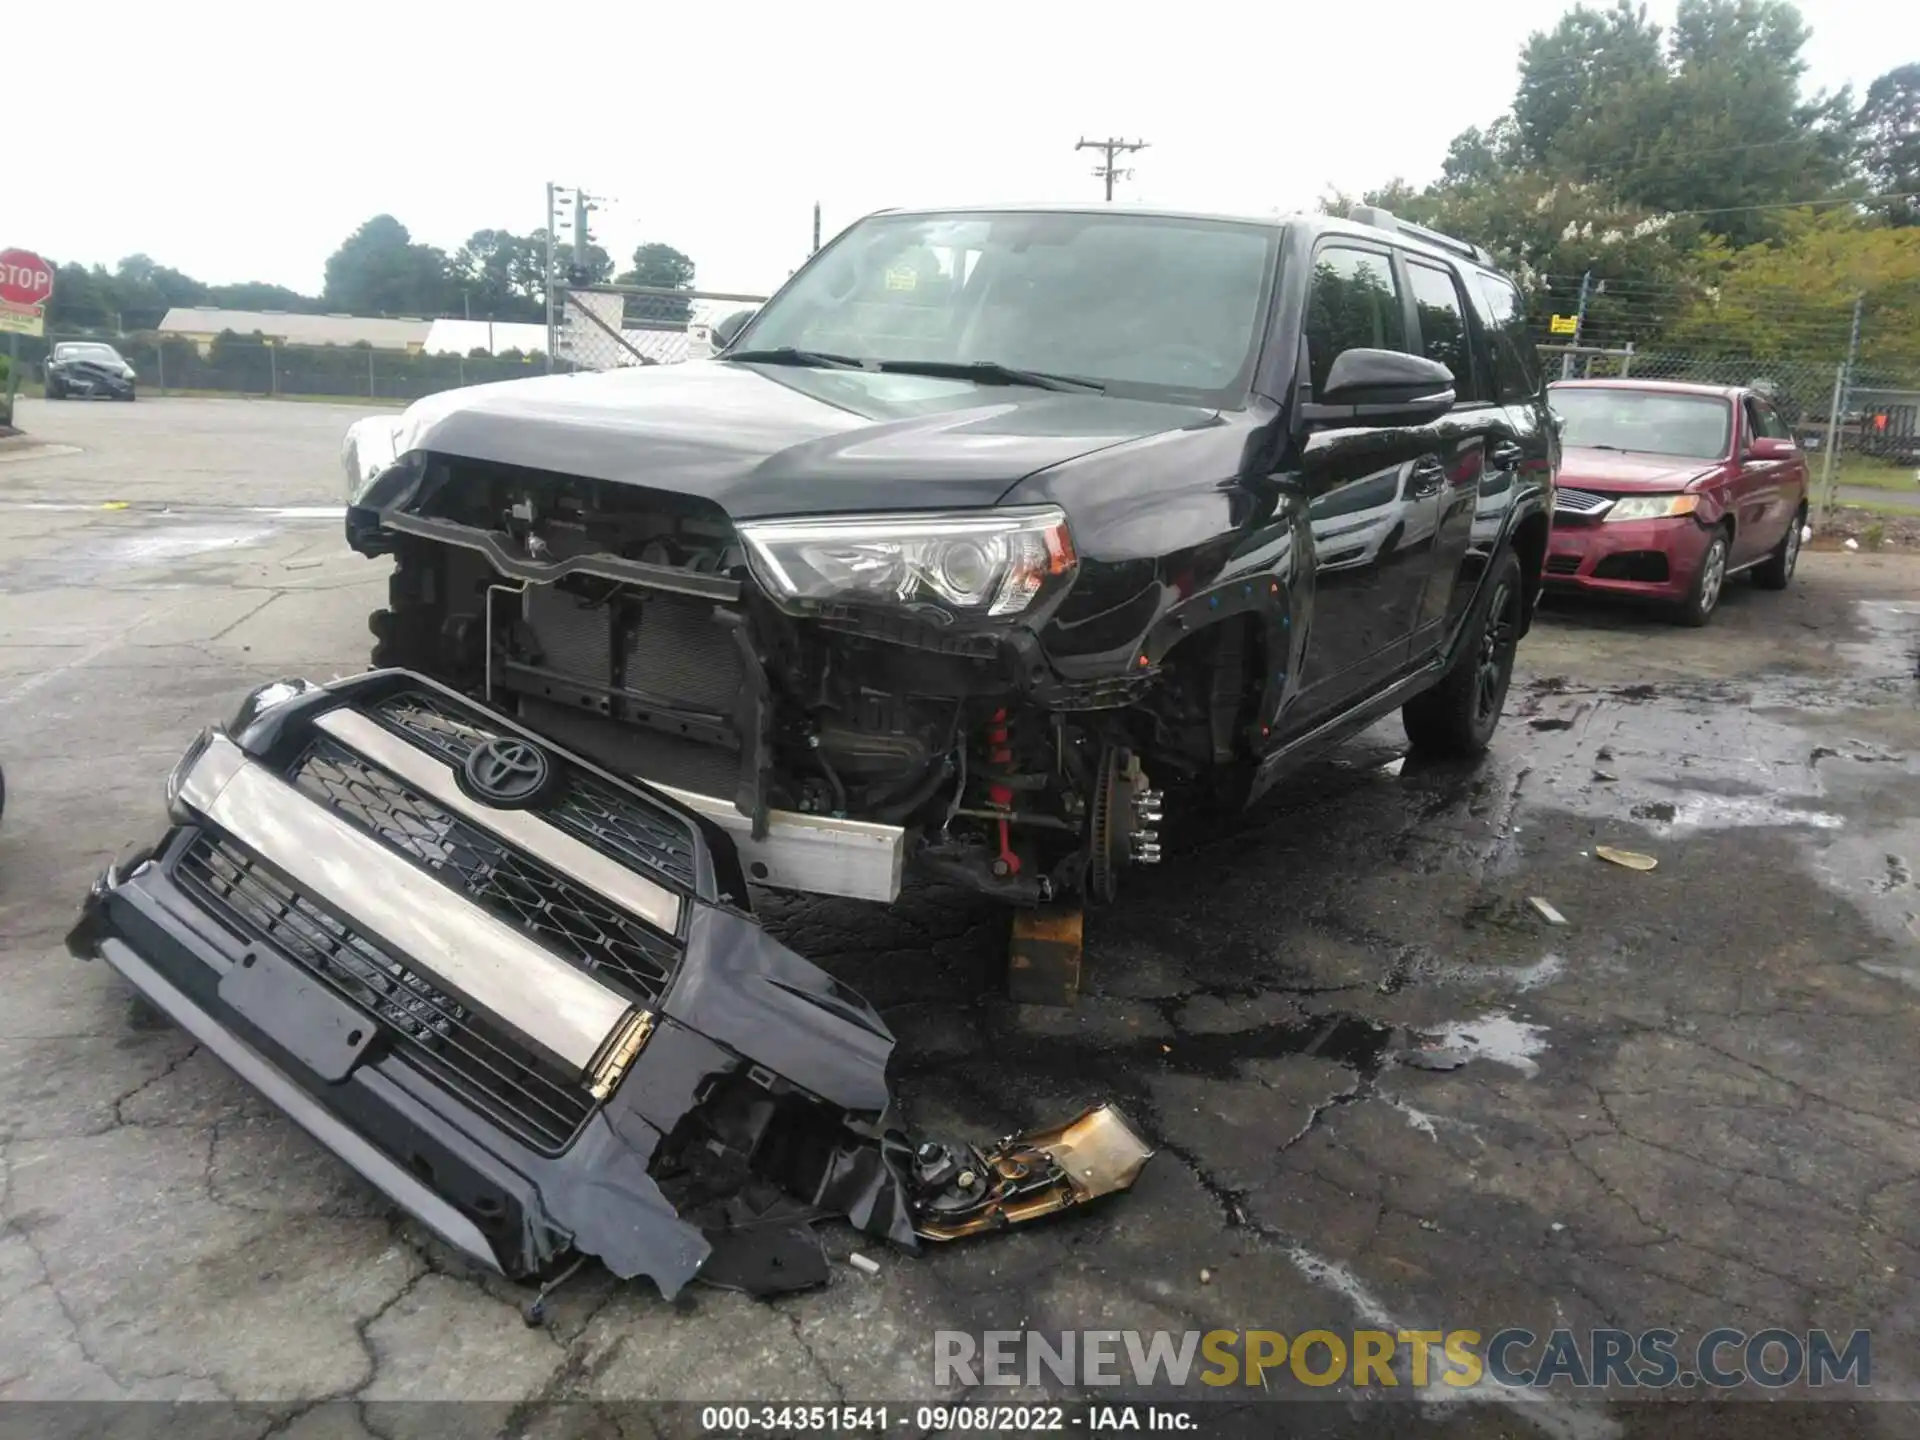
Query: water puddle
[1495, 1037]
[107, 559]
[1726, 812]
[1892, 645]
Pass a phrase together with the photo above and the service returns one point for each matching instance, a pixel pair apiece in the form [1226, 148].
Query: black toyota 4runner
[995, 537]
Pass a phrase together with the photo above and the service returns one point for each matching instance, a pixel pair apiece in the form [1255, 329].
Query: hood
[97, 362]
[1611, 471]
[779, 440]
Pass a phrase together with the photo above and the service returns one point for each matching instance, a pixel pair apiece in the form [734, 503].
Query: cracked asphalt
[1385, 1091]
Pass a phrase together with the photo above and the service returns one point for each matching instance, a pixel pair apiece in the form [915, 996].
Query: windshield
[87, 352]
[1695, 427]
[1148, 306]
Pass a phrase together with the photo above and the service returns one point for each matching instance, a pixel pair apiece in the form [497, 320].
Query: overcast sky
[240, 142]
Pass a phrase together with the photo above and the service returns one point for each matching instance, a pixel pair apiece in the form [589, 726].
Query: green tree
[1477, 155]
[1708, 119]
[1577, 75]
[500, 274]
[1793, 299]
[1887, 130]
[668, 269]
[83, 298]
[261, 295]
[145, 291]
[379, 270]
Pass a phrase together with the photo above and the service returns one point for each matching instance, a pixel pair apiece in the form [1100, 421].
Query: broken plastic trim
[719, 1116]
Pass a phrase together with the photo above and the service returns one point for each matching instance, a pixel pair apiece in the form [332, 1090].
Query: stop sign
[25, 279]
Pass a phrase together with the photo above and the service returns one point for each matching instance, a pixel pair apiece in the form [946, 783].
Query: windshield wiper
[789, 355]
[992, 372]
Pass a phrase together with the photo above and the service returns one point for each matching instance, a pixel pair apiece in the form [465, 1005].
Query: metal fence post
[160, 366]
[1827, 465]
[370, 388]
[273, 371]
[1626, 362]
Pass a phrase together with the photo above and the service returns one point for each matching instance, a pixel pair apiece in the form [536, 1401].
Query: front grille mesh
[482, 1063]
[434, 724]
[622, 825]
[569, 919]
[1580, 502]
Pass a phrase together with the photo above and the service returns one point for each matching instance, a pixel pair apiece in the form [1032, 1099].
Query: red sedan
[1665, 490]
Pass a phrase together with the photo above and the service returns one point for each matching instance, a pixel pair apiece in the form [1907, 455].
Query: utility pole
[1109, 148]
[1579, 324]
[816, 229]
[552, 222]
[1836, 422]
[583, 206]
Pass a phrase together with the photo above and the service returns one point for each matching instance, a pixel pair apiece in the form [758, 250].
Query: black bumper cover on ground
[759, 1100]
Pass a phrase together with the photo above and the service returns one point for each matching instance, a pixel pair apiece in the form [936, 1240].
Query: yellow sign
[22, 319]
[1565, 324]
[903, 277]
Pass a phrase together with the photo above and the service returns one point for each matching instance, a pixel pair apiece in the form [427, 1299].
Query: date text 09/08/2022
[937, 1419]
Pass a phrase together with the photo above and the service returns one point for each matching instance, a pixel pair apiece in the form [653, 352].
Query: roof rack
[1381, 219]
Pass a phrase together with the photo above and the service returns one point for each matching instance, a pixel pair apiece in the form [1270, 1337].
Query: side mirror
[724, 332]
[1381, 388]
[1770, 447]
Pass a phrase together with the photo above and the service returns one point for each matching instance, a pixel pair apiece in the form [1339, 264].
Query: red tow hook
[1000, 795]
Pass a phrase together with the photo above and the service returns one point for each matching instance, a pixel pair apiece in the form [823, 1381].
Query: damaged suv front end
[525, 999]
[882, 613]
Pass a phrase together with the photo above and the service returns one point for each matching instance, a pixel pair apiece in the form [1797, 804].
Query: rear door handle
[1505, 455]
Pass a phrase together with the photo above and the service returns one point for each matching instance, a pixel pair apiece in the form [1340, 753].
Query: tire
[130, 397]
[1456, 718]
[54, 392]
[1776, 570]
[1709, 583]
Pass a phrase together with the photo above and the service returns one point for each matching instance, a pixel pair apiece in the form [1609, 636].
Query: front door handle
[1505, 455]
[1427, 478]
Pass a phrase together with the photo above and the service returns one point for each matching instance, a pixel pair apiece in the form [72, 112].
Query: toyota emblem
[507, 772]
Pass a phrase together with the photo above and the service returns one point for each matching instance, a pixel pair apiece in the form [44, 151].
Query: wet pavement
[1386, 1090]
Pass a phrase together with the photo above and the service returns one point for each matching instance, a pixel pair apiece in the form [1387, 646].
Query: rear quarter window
[1516, 364]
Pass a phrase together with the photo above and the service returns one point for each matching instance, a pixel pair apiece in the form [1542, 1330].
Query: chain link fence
[607, 327]
[253, 366]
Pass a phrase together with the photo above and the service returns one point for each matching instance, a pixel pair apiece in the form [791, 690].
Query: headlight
[177, 777]
[1652, 507]
[370, 446]
[987, 565]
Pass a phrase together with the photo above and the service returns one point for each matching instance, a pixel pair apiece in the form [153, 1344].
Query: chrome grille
[1580, 502]
[569, 919]
[483, 1064]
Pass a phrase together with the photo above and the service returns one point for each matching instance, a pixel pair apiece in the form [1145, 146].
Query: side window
[1516, 364]
[1443, 326]
[1353, 305]
[1771, 425]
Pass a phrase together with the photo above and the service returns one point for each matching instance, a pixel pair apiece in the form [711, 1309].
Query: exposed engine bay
[526, 1000]
[644, 630]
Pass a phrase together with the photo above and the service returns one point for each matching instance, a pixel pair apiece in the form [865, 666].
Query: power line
[1111, 147]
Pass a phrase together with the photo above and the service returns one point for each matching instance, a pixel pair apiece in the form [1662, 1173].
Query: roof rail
[1381, 219]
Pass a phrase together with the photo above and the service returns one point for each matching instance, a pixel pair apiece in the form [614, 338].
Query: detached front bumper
[542, 1023]
[1654, 559]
